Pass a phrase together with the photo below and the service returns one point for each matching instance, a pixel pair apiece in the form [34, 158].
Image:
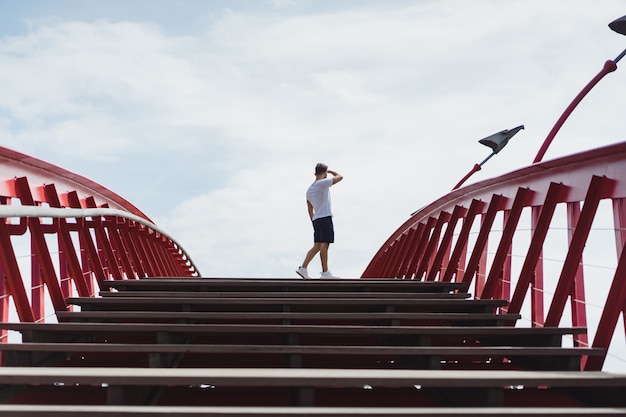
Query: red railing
[69, 242]
[523, 236]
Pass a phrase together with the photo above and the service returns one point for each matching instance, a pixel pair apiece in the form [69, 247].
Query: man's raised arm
[336, 177]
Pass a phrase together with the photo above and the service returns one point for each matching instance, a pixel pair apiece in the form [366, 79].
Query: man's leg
[311, 254]
[324, 256]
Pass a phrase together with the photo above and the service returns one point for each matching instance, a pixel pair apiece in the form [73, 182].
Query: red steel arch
[15, 164]
[73, 234]
[448, 240]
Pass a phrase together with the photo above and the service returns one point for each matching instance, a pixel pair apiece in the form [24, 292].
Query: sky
[211, 115]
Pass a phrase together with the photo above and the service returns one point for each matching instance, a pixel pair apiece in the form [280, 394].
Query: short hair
[320, 168]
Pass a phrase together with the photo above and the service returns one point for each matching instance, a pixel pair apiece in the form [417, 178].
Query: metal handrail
[7, 211]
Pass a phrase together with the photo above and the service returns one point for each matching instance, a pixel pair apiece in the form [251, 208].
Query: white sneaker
[302, 272]
[327, 274]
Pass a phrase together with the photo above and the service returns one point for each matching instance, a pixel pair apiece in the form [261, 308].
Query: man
[318, 203]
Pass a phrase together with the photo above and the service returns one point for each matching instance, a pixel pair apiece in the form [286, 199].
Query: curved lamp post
[496, 142]
[618, 26]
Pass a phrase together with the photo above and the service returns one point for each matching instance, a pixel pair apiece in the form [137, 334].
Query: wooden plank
[294, 304]
[195, 411]
[261, 284]
[298, 349]
[216, 317]
[183, 328]
[297, 356]
[285, 294]
[552, 358]
[175, 299]
[333, 337]
[292, 334]
[124, 385]
[20, 410]
[355, 378]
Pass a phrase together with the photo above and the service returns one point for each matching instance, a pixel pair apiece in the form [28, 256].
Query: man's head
[321, 170]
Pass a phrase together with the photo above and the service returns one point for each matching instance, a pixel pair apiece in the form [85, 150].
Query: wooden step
[386, 319]
[318, 304]
[20, 410]
[286, 294]
[294, 356]
[293, 334]
[299, 347]
[262, 285]
[315, 387]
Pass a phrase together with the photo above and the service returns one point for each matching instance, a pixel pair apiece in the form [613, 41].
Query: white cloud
[214, 132]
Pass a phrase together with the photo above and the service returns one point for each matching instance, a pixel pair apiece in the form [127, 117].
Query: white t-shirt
[319, 196]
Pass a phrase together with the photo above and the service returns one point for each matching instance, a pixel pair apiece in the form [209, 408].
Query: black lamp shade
[619, 25]
[497, 141]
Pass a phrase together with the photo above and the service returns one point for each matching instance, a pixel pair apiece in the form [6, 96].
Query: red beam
[40, 247]
[521, 200]
[598, 188]
[446, 242]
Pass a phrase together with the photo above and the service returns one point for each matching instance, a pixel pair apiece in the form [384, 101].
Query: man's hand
[336, 177]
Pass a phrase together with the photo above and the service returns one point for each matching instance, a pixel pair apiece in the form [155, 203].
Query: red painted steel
[421, 248]
[577, 292]
[432, 244]
[609, 66]
[73, 255]
[446, 241]
[472, 268]
[578, 183]
[536, 281]
[458, 254]
[406, 249]
[494, 279]
[16, 164]
[574, 255]
[413, 239]
[532, 269]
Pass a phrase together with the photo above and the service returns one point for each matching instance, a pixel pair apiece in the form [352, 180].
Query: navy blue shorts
[323, 231]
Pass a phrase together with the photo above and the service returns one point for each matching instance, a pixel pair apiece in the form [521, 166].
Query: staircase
[281, 347]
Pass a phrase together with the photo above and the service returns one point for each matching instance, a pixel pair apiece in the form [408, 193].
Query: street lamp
[619, 26]
[496, 142]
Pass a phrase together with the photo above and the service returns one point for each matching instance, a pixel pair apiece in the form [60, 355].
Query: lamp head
[619, 25]
[497, 141]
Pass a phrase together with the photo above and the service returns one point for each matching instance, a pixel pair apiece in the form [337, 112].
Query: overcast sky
[210, 115]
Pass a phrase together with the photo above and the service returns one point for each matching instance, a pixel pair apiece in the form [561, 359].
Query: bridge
[504, 297]
[460, 312]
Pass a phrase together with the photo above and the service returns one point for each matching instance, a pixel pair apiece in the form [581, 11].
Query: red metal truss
[93, 235]
[434, 242]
